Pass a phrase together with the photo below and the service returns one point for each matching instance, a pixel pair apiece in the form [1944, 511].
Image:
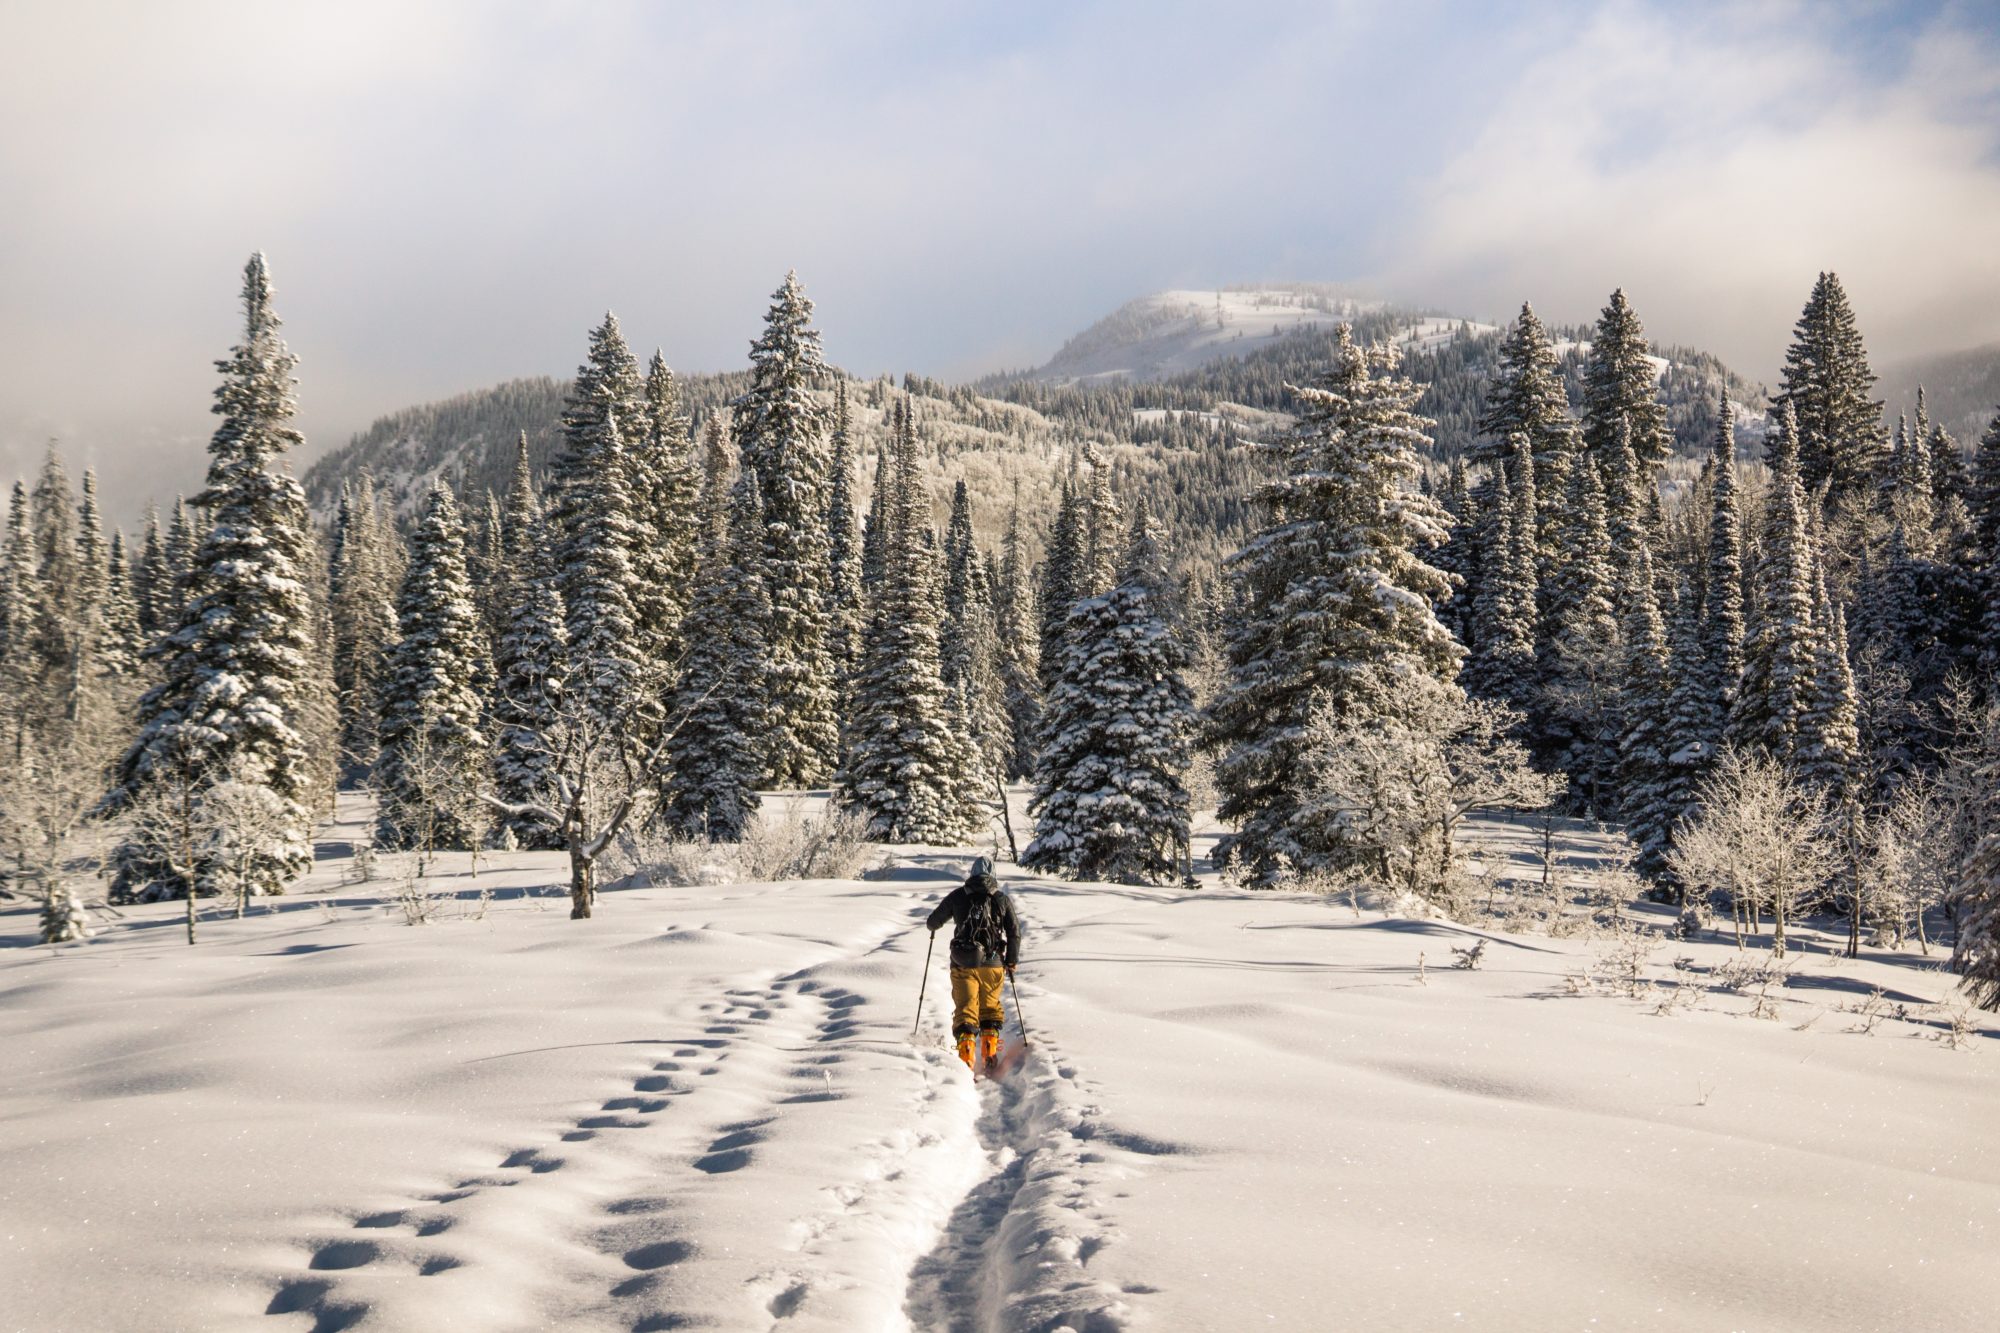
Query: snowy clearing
[704, 1108]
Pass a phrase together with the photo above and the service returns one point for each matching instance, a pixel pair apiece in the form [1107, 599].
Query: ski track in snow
[1017, 1253]
[622, 1199]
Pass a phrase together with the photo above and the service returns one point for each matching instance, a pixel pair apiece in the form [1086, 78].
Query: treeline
[1782, 683]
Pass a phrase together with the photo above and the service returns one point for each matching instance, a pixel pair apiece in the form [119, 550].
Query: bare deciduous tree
[1396, 793]
[1762, 836]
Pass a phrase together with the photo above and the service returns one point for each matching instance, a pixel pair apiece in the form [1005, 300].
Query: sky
[452, 193]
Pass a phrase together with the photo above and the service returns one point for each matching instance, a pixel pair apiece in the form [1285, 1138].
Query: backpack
[980, 934]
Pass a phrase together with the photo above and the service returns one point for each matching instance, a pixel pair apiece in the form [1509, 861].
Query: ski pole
[926, 984]
[1019, 1017]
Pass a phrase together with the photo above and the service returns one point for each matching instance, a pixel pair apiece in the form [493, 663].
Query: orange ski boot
[989, 1050]
[965, 1051]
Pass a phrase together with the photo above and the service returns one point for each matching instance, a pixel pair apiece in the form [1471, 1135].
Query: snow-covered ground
[705, 1108]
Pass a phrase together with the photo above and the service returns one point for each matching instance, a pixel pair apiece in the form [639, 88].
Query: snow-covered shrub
[63, 916]
[668, 858]
[419, 905]
[829, 845]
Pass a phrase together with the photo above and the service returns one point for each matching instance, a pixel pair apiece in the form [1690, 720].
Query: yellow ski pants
[975, 999]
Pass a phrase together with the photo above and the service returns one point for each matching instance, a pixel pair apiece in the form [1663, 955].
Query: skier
[985, 944]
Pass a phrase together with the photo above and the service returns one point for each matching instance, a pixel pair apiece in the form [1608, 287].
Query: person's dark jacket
[963, 900]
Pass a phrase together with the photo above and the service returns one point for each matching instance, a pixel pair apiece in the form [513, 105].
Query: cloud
[1713, 165]
[452, 192]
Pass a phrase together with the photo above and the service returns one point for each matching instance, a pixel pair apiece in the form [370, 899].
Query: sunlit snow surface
[704, 1108]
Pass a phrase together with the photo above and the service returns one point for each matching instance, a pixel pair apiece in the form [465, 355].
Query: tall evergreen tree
[93, 556]
[1646, 780]
[1621, 388]
[1018, 647]
[1337, 603]
[1504, 666]
[530, 663]
[364, 575]
[151, 584]
[121, 644]
[231, 669]
[1062, 573]
[1102, 528]
[1829, 740]
[907, 768]
[1109, 800]
[1721, 658]
[1586, 651]
[19, 610]
[961, 561]
[1780, 651]
[663, 492]
[872, 529]
[715, 754]
[1983, 489]
[844, 554]
[1948, 479]
[433, 757]
[590, 506]
[1526, 397]
[1826, 384]
[62, 582]
[781, 429]
[183, 540]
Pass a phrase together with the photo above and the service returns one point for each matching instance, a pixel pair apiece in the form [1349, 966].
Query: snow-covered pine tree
[1456, 557]
[1062, 570]
[1504, 666]
[433, 760]
[61, 582]
[1017, 647]
[590, 507]
[1621, 385]
[1780, 646]
[1109, 800]
[121, 644]
[18, 612]
[93, 558]
[781, 430]
[844, 554]
[1721, 660]
[530, 660]
[1829, 739]
[150, 582]
[1525, 396]
[871, 532]
[1646, 795]
[363, 578]
[1101, 526]
[1826, 383]
[1336, 601]
[663, 492]
[233, 665]
[715, 754]
[1983, 490]
[906, 769]
[1948, 478]
[1587, 653]
[183, 540]
[961, 555]
[1691, 733]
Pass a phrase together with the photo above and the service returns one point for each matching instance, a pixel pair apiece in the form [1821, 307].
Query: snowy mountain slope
[704, 1108]
[1168, 333]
